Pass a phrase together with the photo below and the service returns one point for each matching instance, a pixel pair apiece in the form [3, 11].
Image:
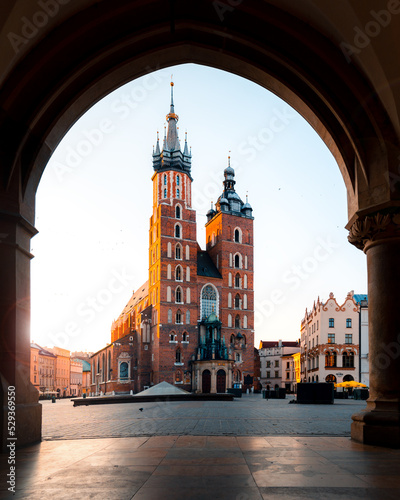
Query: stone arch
[296, 53]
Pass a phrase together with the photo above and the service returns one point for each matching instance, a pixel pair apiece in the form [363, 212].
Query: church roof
[205, 266]
[137, 296]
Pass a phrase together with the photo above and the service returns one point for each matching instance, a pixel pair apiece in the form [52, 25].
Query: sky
[95, 199]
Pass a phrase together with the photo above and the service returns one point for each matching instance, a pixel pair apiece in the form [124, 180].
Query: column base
[378, 425]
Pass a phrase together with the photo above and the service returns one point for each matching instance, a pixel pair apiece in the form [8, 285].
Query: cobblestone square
[248, 416]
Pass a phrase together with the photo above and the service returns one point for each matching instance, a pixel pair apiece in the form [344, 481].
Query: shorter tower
[229, 237]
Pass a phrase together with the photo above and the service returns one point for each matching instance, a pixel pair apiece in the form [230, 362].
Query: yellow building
[297, 367]
[63, 370]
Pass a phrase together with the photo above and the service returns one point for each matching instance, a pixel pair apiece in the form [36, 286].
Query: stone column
[379, 236]
[213, 380]
[15, 235]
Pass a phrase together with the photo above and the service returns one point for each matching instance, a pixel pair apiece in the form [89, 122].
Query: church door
[206, 382]
[221, 381]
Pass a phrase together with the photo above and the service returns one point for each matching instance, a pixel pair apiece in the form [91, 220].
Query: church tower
[229, 237]
[172, 256]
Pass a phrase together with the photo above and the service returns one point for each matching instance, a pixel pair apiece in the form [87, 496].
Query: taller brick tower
[172, 255]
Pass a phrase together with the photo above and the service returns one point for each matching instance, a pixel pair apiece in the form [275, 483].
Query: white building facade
[330, 340]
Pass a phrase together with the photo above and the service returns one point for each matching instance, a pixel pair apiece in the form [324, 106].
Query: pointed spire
[172, 119]
[158, 144]
[185, 150]
[165, 138]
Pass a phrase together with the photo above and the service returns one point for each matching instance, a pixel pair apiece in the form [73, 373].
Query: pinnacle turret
[171, 157]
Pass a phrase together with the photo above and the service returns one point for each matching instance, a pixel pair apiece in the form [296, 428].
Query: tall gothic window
[165, 179]
[165, 193]
[178, 273]
[237, 301]
[177, 212]
[177, 193]
[237, 261]
[178, 317]
[177, 231]
[178, 294]
[178, 252]
[237, 321]
[237, 280]
[177, 180]
[209, 301]
[237, 235]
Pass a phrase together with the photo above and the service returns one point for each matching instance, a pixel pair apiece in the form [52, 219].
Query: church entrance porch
[212, 376]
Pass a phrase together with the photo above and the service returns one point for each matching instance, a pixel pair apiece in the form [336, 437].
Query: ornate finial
[247, 196]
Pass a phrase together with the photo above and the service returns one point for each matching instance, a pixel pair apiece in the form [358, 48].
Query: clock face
[123, 370]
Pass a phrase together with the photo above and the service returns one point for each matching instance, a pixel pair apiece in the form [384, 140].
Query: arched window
[229, 320]
[244, 321]
[178, 273]
[187, 252]
[103, 372]
[348, 378]
[178, 193]
[238, 238]
[177, 180]
[165, 179]
[123, 370]
[348, 360]
[245, 281]
[237, 321]
[178, 356]
[330, 359]
[185, 337]
[188, 317]
[330, 378]
[230, 279]
[237, 280]
[187, 295]
[237, 261]
[172, 337]
[245, 301]
[169, 249]
[169, 272]
[178, 251]
[232, 339]
[178, 231]
[109, 366]
[209, 301]
[229, 299]
[178, 317]
[168, 294]
[177, 212]
[237, 301]
[169, 315]
[165, 193]
[178, 295]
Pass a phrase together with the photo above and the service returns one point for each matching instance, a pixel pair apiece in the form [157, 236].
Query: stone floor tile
[217, 493]
[298, 480]
[321, 493]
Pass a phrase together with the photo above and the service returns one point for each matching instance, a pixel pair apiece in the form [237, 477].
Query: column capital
[373, 229]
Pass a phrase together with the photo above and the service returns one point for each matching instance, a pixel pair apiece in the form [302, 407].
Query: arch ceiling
[60, 57]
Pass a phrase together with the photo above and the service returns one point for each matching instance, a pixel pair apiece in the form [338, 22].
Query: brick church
[192, 323]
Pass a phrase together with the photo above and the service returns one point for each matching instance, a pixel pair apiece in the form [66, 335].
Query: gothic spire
[172, 119]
